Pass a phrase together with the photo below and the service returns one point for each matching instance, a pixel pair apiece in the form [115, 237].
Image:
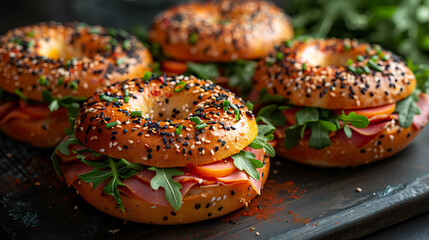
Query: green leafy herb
[20, 94]
[163, 178]
[293, 134]
[120, 61]
[126, 44]
[249, 105]
[240, 74]
[374, 66]
[136, 113]
[200, 126]
[113, 169]
[111, 124]
[305, 115]
[406, 110]
[73, 85]
[264, 97]
[178, 130]
[272, 115]
[54, 106]
[107, 98]
[356, 120]
[319, 136]
[246, 161]
[147, 75]
[180, 86]
[63, 148]
[196, 120]
[347, 131]
[225, 105]
[43, 81]
[265, 135]
[203, 70]
[193, 38]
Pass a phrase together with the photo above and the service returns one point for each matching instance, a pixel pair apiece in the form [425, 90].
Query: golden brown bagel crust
[220, 30]
[198, 204]
[71, 59]
[340, 154]
[151, 139]
[315, 74]
[44, 133]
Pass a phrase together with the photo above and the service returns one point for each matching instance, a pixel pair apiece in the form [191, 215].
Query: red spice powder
[272, 200]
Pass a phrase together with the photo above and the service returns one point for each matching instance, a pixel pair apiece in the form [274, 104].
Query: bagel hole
[157, 109]
[315, 56]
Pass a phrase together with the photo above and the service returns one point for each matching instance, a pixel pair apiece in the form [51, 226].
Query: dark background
[127, 14]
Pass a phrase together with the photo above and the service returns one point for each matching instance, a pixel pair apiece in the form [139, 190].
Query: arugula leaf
[95, 164]
[319, 136]
[131, 165]
[54, 106]
[421, 71]
[114, 169]
[406, 109]
[328, 126]
[305, 115]
[293, 134]
[347, 131]
[63, 147]
[163, 178]
[95, 177]
[356, 120]
[203, 70]
[249, 105]
[246, 161]
[111, 187]
[271, 115]
[265, 134]
[56, 162]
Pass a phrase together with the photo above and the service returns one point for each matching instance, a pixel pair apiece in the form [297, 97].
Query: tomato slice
[217, 169]
[174, 67]
[371, 112]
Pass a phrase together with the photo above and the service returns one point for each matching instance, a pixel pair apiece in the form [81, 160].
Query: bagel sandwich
[166, 150]
[48, 69]
[219, 39]
[338, 102]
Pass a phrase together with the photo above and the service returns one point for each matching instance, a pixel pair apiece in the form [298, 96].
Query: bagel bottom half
[342, 154]
[45, 132]
[199, 204]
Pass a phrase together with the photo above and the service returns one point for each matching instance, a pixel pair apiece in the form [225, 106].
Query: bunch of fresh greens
[319, 121]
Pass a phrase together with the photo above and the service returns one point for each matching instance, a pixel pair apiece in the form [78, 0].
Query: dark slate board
[305, 202]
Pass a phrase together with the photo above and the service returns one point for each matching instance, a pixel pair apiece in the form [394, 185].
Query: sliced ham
[22, 110]
[138, 186]
[6, 107]
[421, 120]
[15, 114]
[357, 140]
[71, 171]
[372, 129]
[134, 187]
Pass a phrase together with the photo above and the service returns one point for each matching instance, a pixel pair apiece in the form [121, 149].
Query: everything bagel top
[166, 122]
[335, 74]
[220, 30]
[72, 59]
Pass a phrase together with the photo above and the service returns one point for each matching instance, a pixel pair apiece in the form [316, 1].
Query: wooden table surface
[297, 202]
